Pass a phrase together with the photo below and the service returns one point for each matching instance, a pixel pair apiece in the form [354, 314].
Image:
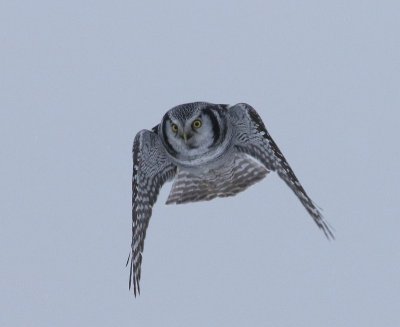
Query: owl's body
[210, 151]
[236, 173]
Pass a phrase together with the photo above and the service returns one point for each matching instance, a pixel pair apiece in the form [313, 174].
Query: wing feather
[253, 138]
[151, 169]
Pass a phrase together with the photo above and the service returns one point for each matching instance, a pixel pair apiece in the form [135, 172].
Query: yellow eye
[174, 128]
[197, 123]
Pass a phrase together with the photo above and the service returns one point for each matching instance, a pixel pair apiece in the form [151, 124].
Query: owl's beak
[184, 136]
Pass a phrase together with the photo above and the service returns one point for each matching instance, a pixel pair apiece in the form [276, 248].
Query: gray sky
[78, 80]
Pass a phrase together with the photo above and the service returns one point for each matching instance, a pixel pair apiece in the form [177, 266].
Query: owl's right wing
[151, 169]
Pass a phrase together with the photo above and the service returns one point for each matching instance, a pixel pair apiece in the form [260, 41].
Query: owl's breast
[220, 179]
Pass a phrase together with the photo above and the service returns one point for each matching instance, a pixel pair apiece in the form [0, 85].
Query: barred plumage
[151, 169]
[228, 180]
[212, 151]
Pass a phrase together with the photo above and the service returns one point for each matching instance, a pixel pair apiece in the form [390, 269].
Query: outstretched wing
[253, 138]
[151, 169]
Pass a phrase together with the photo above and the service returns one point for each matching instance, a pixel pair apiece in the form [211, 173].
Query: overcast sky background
[78, 80]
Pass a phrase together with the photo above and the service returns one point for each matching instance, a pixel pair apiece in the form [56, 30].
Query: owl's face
[192, 130]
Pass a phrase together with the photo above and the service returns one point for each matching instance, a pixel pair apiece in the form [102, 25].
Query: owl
[209, 151]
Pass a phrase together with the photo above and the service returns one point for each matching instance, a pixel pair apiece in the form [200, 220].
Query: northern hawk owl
[209, 150]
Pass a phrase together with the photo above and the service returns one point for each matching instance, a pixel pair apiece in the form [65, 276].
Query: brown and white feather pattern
[151, 169]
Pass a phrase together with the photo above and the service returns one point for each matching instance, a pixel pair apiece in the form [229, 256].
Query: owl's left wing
[253, 139]
[151, 169]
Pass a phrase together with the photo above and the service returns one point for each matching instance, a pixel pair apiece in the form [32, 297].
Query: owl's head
[193, 129]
